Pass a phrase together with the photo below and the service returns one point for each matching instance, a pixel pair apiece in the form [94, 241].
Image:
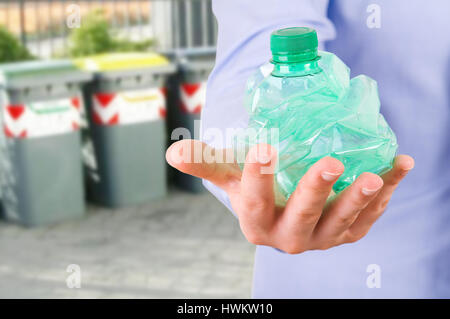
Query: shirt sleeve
[243, 45]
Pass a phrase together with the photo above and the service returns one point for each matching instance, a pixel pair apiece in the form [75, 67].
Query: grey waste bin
[41, 168]
[1, 159]
[187, 98]
[127, 110]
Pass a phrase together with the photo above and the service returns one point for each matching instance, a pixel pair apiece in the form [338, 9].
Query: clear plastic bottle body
[317, 111]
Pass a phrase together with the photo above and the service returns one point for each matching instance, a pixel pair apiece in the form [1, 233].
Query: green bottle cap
[296, 44]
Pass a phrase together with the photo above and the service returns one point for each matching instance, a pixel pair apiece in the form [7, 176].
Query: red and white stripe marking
[128, 107]
[192, 97]
[44, 118]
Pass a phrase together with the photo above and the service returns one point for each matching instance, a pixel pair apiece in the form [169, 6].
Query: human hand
[308, 221]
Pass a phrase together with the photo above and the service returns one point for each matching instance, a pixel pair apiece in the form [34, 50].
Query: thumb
[198, 159]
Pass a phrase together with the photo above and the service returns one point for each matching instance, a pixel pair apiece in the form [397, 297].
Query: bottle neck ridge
[294, 69]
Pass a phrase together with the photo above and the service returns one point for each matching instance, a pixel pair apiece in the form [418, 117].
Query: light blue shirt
[409, 57]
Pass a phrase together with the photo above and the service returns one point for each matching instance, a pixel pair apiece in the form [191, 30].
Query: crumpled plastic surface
[324, 114]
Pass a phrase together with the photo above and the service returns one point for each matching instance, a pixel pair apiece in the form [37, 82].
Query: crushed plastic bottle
[308, 96]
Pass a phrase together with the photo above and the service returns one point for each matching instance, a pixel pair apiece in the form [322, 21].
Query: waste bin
[187, 98]
[127, 109]
[41, 168]
[2, 142]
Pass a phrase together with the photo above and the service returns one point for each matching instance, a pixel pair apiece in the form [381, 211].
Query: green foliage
[94, 37]
[11, 49]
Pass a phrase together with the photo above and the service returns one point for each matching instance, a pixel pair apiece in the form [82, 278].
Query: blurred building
[175, 24]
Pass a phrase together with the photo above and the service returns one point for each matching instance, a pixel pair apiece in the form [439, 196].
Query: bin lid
[40, 72]
[125, 63]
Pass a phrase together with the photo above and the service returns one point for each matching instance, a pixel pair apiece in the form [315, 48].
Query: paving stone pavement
[181, 246]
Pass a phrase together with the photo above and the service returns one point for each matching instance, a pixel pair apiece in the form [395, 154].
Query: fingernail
[263, 158]
[408, 169]
[329, 177]
[368, 192]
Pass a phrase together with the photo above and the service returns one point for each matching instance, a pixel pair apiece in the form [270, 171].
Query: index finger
[304, 207]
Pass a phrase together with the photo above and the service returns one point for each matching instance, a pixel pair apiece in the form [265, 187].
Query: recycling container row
[113, 108]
